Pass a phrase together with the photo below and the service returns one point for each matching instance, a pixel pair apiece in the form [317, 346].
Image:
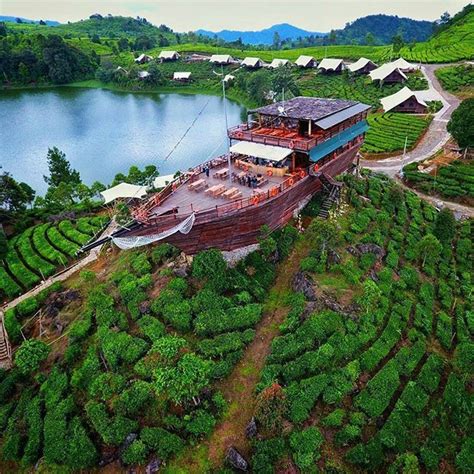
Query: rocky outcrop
[236, 460]
[56, 301]
[303, 283]
[251, 429]
[360, 249]
[153, 466]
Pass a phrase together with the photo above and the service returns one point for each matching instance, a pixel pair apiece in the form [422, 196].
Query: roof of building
[229, 78]
[251, 62]
[162, 181]
[278, 62]
[181, 75]
[123, 190]
[143, 74]
[392, 101]
[220, 58]
[168, 55]
[142, 57]
[258, 150]
[305, 108]
[330, 63]
[359, 64]
[338, 117]
[304, 60]
[403, 64]
[384, 71]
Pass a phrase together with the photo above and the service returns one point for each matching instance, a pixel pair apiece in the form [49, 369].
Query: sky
[188, 15]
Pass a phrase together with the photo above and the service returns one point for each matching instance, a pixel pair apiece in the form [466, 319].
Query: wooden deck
[186, 201]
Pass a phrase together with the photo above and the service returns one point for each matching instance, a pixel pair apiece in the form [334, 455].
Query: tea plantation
[40, 251]
[388, 132]
[455, 180]
[457, 79]
[373, 373]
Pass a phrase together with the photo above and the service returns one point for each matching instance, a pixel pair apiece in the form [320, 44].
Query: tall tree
[14, 196]
[60, 170]
[461, 124]
[276, 40]
[445, 226]
[398, 43]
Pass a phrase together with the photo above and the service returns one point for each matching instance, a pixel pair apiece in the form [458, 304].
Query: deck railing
[248, 133]
[223, 209]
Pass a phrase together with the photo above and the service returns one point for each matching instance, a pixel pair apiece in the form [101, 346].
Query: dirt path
[435, 137]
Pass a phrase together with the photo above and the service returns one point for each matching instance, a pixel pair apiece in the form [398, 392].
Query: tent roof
[143, 74]
[229, 77]
[168, 54]
[181, 75]
[123, 190]
[304, 60]
[391, 101]
[250, 61]
[220, 58]
[162, 181]
[278, 62]
[383, 71]
[403, 64]
[258, 150]
[330, 63]
[359, 64]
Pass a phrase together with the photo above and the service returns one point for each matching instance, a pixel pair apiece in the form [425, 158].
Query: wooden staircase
[332, 192]
[5, 348]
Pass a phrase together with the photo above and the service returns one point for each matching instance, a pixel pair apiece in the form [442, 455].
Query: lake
[104, 133]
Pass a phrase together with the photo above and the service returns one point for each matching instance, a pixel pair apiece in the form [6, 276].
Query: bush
[135, 453]
[199, 423]
[12, 326]
[30, 354]
[210, 267]
[305, 446]
[335, 418]
[27, 307]
[266, 453]
[132, 400]
[163, 252]
[162, 442]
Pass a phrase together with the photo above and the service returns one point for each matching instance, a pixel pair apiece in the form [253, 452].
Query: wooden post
[309, 128]
[293, 161]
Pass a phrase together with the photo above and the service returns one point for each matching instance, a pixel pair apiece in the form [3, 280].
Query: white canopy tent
[359, 64]
[304, 61]
[252, 62]
[220, 58]
[169, 55]
[392, 101]
[331, 64]
[278, 62]
[124, 191]
[384, 71]
[258, 150]
[403, 65]
[162, 181]
[181, 76]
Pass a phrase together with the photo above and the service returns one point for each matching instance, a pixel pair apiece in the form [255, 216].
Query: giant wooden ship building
[279, 158]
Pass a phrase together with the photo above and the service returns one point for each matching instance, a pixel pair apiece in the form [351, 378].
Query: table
[215, 190]
[196, 185]
[230, 193]
[221, 173]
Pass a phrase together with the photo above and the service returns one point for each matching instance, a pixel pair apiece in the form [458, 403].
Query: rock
[181, 271]
[310, 308]
[107, 459]
[303, 283]
[55, 302]
[333, 257]
[251, 429]
[144, 307]
[236, 460]
[378, 251]
[153, 466]
[131, 437]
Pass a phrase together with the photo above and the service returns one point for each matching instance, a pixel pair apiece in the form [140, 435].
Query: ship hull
[240, 228]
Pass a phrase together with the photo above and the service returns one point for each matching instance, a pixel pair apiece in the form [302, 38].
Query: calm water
[104, 133]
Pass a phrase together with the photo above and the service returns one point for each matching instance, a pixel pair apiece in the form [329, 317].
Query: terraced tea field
[457, 79]
[39, 251]
[387, 383]
[456, 180]
[388, 132]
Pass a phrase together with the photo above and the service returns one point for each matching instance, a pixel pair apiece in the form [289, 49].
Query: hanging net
[126, 243]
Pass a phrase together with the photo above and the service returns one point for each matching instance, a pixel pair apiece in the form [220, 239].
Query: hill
[264, 37]
[383, 28]
[14, 19]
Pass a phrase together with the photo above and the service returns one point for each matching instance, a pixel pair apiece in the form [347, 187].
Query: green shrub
[27, 307]
[162, 442]
[335, 418]
[30, 354]
[163, 252]
[132, 400]
[135, 453]
[305, 446]
[199, 423]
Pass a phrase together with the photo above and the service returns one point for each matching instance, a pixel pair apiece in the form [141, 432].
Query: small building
[388, 74]
[405, 100]
[222, 59]
[331, 65]
[143, 74]
[252, 63]
[195, 57]
[124, 191]
[278, 63]
[121, 70]
[362, 66]
[168, 56]
[229, 78]
[404, 65]
[306, 61]
[182, 76]
[143, 58]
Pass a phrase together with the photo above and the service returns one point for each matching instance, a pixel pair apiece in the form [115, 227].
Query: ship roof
[259, 150]
[305, 108]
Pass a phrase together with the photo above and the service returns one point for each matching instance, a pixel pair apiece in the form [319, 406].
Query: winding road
[435, 137]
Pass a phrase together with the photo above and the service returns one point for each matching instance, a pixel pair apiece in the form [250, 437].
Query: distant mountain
[265, 36]
[13, 19]
[383, 28]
